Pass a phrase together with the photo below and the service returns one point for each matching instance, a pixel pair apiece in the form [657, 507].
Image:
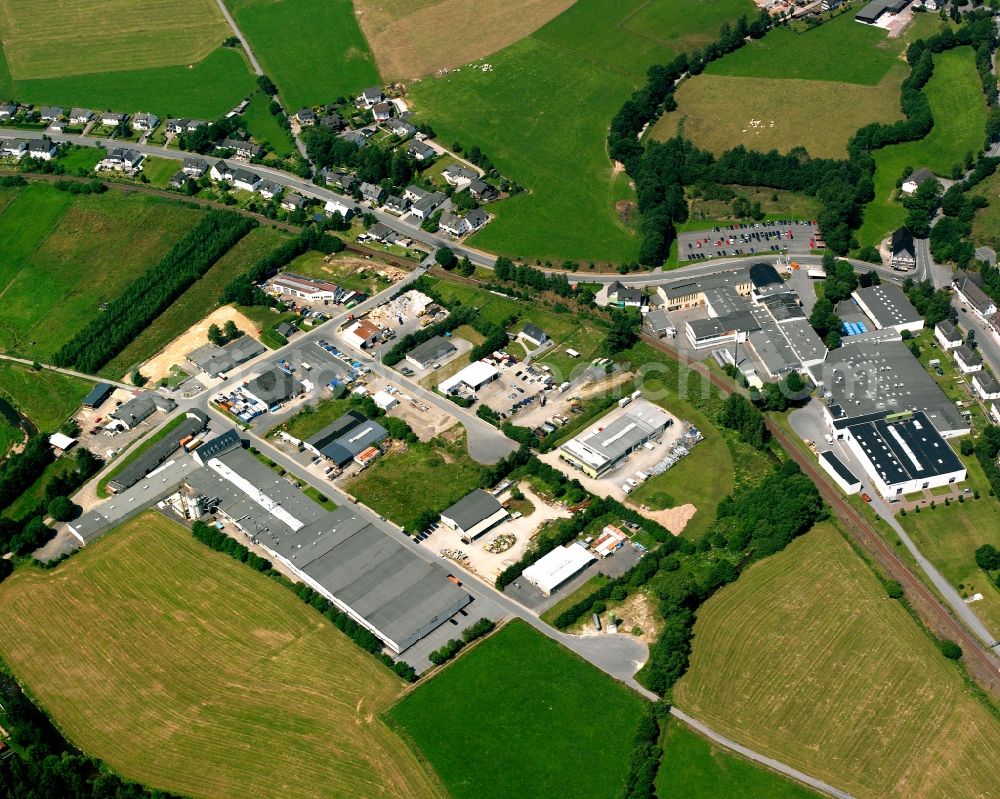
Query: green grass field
[949, 537]
[264, 127]
[829, 52]
[694, 768]
[436, 474]
[805, 658]
[515, 716]
[345, 269]
[195, 303]
[187, 671]
[986, 226]
[158, 171]
[21, 507]
[313, 418]
[956, 99]
[312, 49]
[46, 398]
[65, 254]
[9, 436]
[81, 158]
[782, 204]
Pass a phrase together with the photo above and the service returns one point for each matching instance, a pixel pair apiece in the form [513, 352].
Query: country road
[67, 372]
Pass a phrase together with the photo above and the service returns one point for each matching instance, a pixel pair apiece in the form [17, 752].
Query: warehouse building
[474, 514]
[432, 351]
[97, 395]
[158, 454]
[472, 378]
[605, 444]
[888, 307]
[141, 407]
[345, 438]
[303, 288]
[838, 470]
[558, 566]
[273, 387]
[359, 567]
[901, 452]
[214, 360]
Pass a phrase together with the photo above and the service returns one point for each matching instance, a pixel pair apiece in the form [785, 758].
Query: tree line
[126, 316]
[647, 754]
[455, 645]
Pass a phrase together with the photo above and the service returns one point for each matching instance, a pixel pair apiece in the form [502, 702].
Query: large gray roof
[888, 305]
[193, 424]
[473, 508]
[344, 438]
[432, 350]
[274, 386]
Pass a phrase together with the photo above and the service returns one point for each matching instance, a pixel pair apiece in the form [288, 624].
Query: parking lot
[795, 237]
[107, 443]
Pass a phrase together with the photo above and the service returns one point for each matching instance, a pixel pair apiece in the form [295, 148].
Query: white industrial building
[474, 514]
[472, 378]
[561, 564]
[888, 307]
[605, 444]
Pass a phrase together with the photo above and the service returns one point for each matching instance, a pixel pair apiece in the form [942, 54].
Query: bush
[62, 510]
[894, 589]
[950, 649]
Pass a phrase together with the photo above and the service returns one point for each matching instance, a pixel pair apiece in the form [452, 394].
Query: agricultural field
[195, 303]
[54, 244]
[436, 473]
[491, 306]
[226, 659]
[171, 64]
[412, 38]
[783, 662]
[312, 49]
[513, 717]
[46, 398]
[768, 94]
[695, 768]
[949, 536]
[959, 109]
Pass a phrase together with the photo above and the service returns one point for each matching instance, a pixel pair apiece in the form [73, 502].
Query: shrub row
[454, 646]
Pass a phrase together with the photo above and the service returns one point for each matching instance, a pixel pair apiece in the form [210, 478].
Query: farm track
[981, 664]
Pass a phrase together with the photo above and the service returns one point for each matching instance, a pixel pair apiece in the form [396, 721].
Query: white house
[456, 225]
[42, 149]
[370, 97]
[476, 218]
[967, 360]
[246, 180]
[15, 148]
[145, 122]
[533, 335]
[220, 171]
[112, 119]
[986, 385]
[338, 206]
[121, 159]
[80, 116]
[382, 111]
[912, 183]
[947, 335]
[459, 176]
[269, 189]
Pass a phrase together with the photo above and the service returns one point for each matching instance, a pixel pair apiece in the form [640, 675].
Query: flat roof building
[214, 360]
[273, 387]
[158, 453]
[561, 564]
[605, 444]
[305, 288]
[430, 352]
[888, 307]
[841, 475]
[346, 437]
[473, 377]
[474, 514]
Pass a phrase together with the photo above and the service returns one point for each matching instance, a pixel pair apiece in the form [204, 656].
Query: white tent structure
[554, 569]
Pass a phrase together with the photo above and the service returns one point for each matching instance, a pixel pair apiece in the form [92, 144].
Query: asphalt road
[243, 39]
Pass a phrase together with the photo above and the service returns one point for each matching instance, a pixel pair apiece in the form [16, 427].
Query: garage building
[346, 437]
[473, 377]
[474, 514]
[430, 352]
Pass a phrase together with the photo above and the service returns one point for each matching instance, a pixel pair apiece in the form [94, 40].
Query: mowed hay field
[541, 113]
[520, 716]
[78, 37]
[65, 254]
[806, 659]
[187, 671]
[956, 99]
[312, 49]
[195, 303]
[413, 38]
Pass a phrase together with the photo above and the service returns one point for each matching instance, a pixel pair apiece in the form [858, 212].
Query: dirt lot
[559, 402]
[409, 45]
[426, 420]
[636, 611]
[674, 519]
[487, 564]
[195, 336]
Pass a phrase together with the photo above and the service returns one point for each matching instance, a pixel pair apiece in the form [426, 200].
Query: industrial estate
[377, 421]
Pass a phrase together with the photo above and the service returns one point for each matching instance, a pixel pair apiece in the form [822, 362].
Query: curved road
[68, 372]
[254, 64]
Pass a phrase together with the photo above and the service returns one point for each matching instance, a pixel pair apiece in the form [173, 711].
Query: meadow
[185, 670]
[263, 126]
[195, 303]
[55, 244]
[79, 40]
[515, 716]
[312, 49]
[694, 768]
[436, 473]
[959, 109]
[986, 225]
[413, 38]
[807, 659]
[46, 398]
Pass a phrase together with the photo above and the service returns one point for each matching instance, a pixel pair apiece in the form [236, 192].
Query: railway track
[983, 665]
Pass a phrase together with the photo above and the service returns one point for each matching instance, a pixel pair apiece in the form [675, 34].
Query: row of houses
[42, 149]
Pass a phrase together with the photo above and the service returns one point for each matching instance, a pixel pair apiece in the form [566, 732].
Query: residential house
[455, 225]
[50, 113]
[340, 180]
[967, 360]
[269, 189]
[426, 206]
[415, 193]
[145, 122]
[476, 218]
[306, 117]
[382, 111]
[400, 128]
[370, 97]
[332, 121]
[947, 335]
[242, 149]
[220, 171]
[396, 205]
[421, 151]
[7, 111]
[246, 180]
[459, 176]
[533, 335]
[176, 125]
[967, 286]
[373, 193]
[829, 5]
[112, 119]
[380, 233]
[121, 159]
[482, 191]
[339, 206]
[904, 251]
[293, 202]
[179, 179]
[80, 116]
[626, 296]
[13, 148]
[195, 167]
[356, 137]
[986, 385]
[912, 183]
[59, 126]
